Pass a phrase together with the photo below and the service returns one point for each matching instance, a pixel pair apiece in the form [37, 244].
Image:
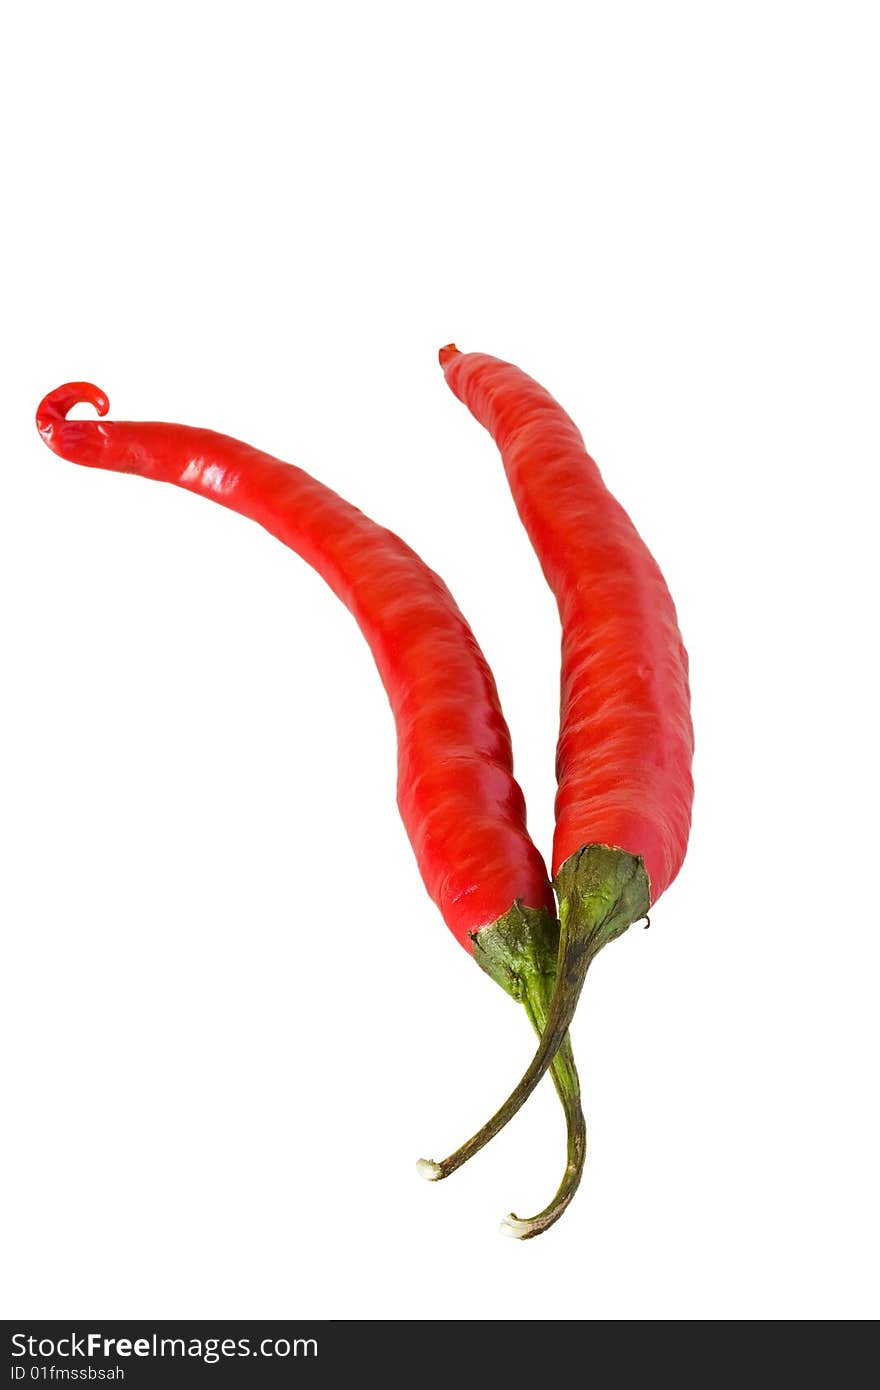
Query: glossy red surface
[626, 741]
[461, 806]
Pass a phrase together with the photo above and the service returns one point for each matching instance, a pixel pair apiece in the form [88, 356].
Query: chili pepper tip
[428, 1169]
[54, 408]
[447, 353]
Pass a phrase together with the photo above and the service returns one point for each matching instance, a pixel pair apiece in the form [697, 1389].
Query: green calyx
[519, 951]
[543, 964]
[601, 892]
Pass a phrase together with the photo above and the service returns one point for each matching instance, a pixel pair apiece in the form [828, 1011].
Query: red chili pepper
[463, 810]
[623, 807]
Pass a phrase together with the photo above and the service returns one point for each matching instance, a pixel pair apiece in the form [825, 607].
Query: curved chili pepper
[623, 807]
[461, 806]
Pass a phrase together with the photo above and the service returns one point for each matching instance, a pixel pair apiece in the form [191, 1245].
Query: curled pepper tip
[447, 353]
[54, 408]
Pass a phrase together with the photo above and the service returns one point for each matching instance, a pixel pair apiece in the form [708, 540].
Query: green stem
[520, 952]
[565, 1079]
[539, 991]
[601, 892]
[600, 895]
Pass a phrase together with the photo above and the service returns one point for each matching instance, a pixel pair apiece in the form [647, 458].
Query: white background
[232, 1019]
